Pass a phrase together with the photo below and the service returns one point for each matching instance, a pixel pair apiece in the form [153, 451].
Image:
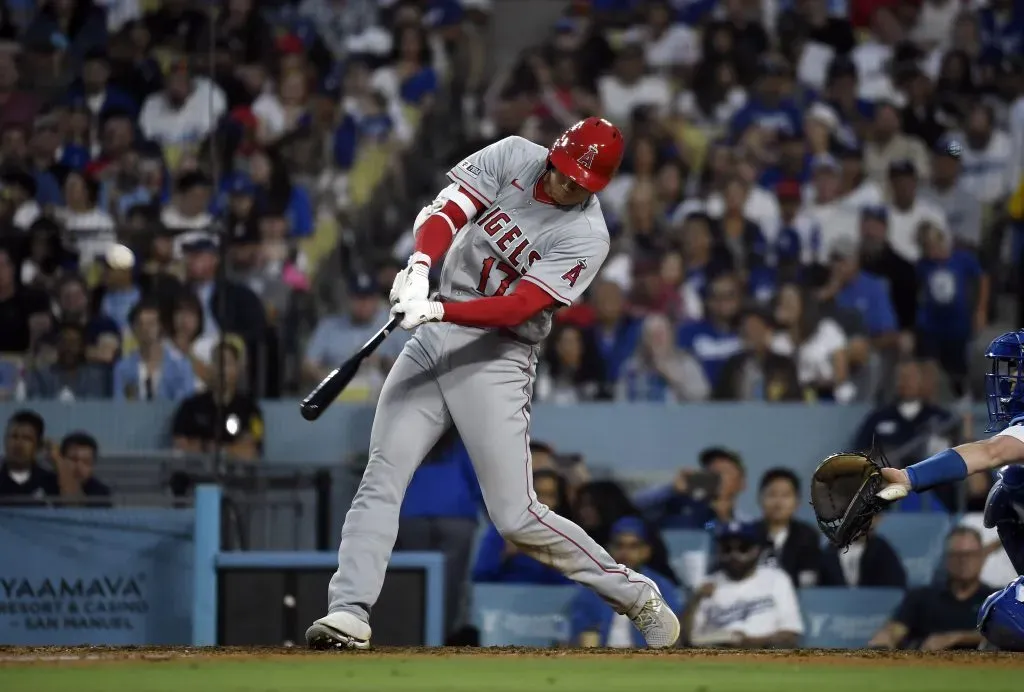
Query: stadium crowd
[821, 201]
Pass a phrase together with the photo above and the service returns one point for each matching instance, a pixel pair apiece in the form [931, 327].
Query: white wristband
[419, 258]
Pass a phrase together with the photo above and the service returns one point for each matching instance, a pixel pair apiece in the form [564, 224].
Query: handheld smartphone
[703, 486]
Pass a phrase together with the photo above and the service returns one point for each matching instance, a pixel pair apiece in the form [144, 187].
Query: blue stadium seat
[685, 548]
[918, 539]
[842, 618]
[522, 615]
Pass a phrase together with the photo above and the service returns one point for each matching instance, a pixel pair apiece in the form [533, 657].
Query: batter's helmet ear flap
[589, 153]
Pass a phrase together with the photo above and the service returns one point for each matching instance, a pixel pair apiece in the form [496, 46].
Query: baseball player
[522, 234]
[1001, 619]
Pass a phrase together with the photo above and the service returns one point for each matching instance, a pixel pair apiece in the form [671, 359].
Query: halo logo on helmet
[588, 153]
[587, 160]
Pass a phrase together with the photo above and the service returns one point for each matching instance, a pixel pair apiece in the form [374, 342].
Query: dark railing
[265, 505]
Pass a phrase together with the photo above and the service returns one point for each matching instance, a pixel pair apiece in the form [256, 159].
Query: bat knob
[310, 411]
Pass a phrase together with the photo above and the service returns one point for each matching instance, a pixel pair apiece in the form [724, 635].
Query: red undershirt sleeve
[501, 311]
[434, 237]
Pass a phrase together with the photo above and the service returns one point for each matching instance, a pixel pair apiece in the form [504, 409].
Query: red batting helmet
[588, 153]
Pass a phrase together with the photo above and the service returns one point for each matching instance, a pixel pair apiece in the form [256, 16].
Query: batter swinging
[524, 235]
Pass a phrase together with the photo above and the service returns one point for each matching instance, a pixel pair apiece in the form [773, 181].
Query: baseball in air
[120, 257]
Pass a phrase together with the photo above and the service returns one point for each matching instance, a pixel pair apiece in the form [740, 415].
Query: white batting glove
[413, 282]
[417, 312]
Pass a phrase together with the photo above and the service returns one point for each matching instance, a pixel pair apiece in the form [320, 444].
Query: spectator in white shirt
[987, 167]
[90, 228]
[908, 211]
[934, 27]
[947, 190]
[267, 105]
[628, 87]
[181, 115]
[831, 219]
[856, 189]
[667, 46]
[19, 198]
[759, 205]
[189, 208]
[743, 604]
[816, 343]
[872, 57]
[715, 98]
[887, 143]
[1013, 70]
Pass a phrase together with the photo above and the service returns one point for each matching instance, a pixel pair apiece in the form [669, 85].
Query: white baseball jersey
[1013, 430]
[519, 238]
[762, 604]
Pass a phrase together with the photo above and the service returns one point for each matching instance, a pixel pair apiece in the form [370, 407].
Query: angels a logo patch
[587, 160]
[573, 275]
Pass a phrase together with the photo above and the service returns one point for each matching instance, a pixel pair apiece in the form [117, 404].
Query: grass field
[269, 670]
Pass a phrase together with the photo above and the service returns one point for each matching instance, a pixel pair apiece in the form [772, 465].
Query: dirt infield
[47, 656]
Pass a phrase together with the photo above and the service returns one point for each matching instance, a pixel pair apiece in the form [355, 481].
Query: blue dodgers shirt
[948, 290]
[711, 346]
[785, 116]
[869, 296]
[616, 347]
[444, 487]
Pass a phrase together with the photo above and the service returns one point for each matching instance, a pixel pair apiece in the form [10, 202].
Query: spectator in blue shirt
[100, 96]
[155, 370]
[954, 300]
[688, 502]
[592, 620]
[841, 93]
[440, 513]
[337, 337]
[237, 196]
[796, 240]
[615, 333]
[769, 108]
[851, 288]
[102, 335]
[71, 28]
[70, 377]
[794, 162]
[500, 561]
[117, 294]
[714, 339]
[703, 259]
[1001, 24]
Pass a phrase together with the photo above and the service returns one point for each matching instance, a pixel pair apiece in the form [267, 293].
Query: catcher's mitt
[844, 494]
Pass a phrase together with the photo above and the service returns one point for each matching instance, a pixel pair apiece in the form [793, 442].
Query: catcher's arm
[953, 465]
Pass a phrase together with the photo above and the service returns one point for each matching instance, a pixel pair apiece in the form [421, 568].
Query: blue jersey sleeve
[881, 316]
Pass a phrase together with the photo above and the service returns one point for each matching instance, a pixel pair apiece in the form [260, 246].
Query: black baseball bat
[317, 401]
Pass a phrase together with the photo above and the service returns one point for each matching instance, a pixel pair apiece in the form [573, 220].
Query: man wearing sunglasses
[743, 604]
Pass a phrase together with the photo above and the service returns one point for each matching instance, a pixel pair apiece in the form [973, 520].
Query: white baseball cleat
[339, 630]
[657, 622]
